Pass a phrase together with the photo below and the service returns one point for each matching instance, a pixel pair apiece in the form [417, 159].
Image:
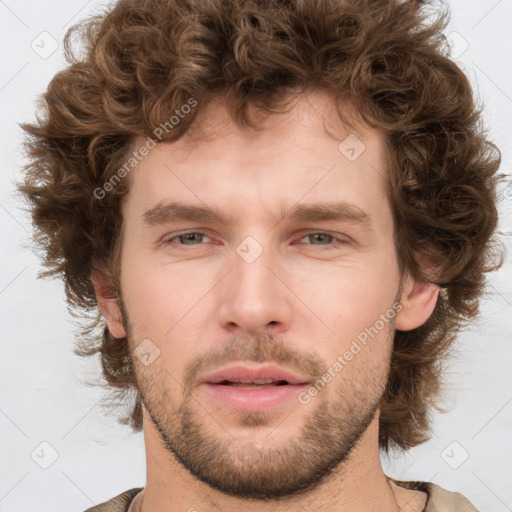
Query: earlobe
[107, 302]
[418, 301]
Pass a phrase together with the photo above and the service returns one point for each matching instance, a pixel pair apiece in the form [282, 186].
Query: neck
[359, 483]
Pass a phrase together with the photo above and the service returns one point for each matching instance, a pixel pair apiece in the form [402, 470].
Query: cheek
[350, 299]
[361, 316]
[163, 300]
[352, 302]
[160, 311]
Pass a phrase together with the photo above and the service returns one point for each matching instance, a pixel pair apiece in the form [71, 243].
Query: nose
[253, 298]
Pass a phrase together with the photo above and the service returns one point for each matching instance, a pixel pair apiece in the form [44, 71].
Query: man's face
[215, 306]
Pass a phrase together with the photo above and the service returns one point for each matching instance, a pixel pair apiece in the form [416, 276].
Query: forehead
[306, 154]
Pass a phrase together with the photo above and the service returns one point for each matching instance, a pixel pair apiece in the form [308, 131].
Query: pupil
[321, 237]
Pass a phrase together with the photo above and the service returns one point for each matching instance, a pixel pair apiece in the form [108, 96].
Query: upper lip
[248, 374]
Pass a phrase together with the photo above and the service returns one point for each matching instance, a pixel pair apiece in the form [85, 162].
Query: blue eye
[323, 238]
[188, 238]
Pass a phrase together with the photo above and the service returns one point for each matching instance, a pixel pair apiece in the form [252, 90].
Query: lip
[245, 373]
[252, 400]
[258, 399]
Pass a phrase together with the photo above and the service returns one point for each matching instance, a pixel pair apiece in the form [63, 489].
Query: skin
[301, 304]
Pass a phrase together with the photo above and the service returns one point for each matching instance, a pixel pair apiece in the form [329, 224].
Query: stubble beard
[254, 471]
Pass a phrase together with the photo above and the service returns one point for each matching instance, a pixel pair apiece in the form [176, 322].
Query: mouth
[255, 388]
[256, 384]
[242, 375]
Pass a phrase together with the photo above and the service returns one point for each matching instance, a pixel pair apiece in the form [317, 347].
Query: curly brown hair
[140, 60]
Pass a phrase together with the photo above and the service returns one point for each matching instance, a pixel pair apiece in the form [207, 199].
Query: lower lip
[254, 399]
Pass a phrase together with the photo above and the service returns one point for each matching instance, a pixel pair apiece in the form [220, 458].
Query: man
[283, 211]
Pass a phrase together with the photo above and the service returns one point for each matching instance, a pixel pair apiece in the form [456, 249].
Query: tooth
[248, 386]
[248, 381]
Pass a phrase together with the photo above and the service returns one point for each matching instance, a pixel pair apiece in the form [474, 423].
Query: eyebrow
[316, 212]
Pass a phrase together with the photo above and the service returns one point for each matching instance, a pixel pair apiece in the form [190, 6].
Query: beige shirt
[438, 499]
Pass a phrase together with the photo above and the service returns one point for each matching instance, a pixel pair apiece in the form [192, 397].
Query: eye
[189, 238]
[319, 238]
[323, 238]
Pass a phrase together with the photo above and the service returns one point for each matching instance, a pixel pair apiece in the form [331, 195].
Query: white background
[43, 395]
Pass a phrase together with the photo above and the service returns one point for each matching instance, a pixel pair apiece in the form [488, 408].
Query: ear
[107, 302]
[418, 300]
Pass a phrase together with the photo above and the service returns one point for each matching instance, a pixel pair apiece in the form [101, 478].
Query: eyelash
[336, 238]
